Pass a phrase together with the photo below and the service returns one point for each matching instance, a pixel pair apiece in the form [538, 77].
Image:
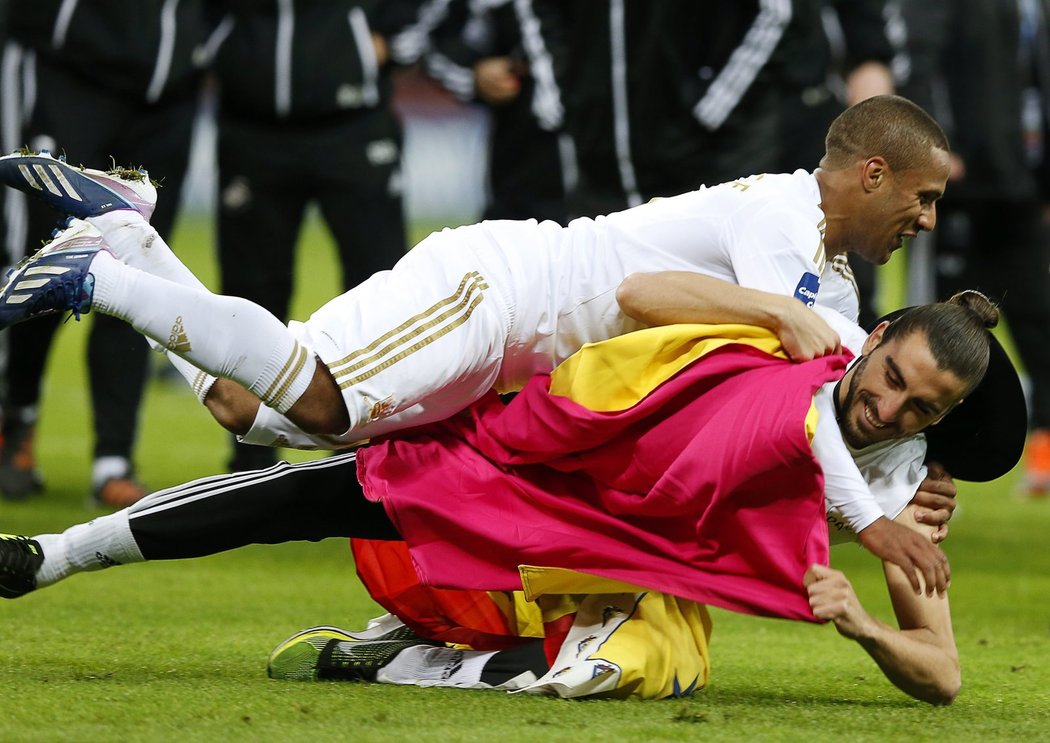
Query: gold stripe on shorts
[397, 344]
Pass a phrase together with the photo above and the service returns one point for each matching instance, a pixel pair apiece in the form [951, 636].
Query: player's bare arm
[920, 657]
[920, 560]
[668, 297]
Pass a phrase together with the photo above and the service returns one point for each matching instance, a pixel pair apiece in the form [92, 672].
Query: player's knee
[232, 406]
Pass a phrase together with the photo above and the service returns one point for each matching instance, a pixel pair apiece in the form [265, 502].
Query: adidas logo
[105, 560]
[43, 177]
[177, 339]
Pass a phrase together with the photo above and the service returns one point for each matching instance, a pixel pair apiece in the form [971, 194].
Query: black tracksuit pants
[308, 501]
[96, 127]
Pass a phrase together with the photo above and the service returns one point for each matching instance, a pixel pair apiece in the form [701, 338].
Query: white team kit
[861, 486]
[491, 304]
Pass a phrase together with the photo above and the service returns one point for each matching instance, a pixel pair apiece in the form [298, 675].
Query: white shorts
[465, 311]
[414, 344]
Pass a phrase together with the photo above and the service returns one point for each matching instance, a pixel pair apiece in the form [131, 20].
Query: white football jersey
[491, 304]
[763, 232]
[861, 485]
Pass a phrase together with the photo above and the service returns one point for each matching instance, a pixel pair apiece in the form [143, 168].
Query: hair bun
[979, 304]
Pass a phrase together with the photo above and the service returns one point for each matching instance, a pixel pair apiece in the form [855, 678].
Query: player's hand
[382, 49]
[831, 598]
[496, 80]
[913, 552]
[804, 334]
[866, 80]
[936, 500]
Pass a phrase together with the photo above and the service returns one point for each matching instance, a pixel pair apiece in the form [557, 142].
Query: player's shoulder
[786, 201]
[739, 198]
[800, 184]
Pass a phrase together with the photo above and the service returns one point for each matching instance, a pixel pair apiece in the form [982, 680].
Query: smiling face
[896, 389]
[897, 205]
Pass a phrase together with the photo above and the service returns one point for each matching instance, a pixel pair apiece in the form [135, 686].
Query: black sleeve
[864, 27]
[927, 23]
[462, 37]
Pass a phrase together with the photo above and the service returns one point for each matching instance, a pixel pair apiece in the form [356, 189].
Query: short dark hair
[957, 332]
[887, 126]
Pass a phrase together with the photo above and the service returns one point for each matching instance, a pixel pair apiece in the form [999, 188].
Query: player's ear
[874, 338]
[874, 173]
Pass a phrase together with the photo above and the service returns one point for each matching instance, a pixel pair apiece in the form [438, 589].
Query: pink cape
[706, 489]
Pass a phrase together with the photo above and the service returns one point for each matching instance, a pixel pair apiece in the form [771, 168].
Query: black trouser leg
[309, 501]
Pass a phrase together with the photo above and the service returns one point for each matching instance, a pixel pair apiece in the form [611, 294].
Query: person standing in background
[478, 54]
[982, 68]
[305, 116]
[129, 65]
[659, 98]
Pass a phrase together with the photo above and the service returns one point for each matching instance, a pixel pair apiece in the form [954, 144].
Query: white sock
[108, 468]
[135, 242]
[424, 665]
[199, 380]
[98, 544]
[225, 336]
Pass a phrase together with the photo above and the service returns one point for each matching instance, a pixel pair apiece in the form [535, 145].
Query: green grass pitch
[177, 651]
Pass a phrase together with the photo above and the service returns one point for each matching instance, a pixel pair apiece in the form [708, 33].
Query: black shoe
[329, 653]
[19, 477]
[118, 492]
[20, 558]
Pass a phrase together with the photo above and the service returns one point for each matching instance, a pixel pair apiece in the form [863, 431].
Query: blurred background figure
[108, 81]
[305, 117]
[982, 67]
[835, 53]
[658, 97]
[478, 54]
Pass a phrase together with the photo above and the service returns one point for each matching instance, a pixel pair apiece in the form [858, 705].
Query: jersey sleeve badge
[806, 291]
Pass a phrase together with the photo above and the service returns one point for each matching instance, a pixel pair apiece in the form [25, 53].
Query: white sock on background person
[225, 336]
[109, 468]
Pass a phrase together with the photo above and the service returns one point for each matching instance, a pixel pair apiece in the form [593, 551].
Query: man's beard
[847, 423]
